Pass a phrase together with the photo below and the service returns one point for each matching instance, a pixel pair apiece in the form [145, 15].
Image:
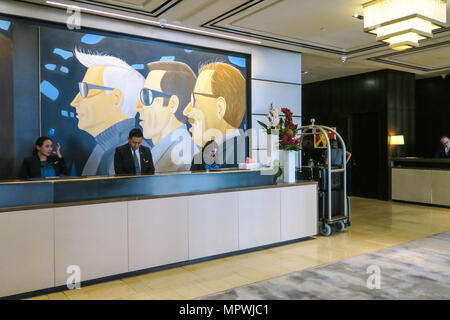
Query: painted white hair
[118, 74]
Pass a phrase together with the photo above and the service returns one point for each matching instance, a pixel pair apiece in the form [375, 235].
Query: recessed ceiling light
[305, 72]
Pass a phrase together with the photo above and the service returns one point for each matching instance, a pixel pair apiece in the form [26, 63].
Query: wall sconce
[396, 140]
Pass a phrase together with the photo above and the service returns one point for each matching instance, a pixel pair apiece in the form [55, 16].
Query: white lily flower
[273, 117]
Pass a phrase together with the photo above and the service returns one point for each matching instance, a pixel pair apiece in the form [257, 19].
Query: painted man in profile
[105, 107]
[217, 109]
[167, 90]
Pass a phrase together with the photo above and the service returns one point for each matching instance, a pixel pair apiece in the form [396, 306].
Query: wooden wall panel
[433, 114]
[402, 112]
[387, 95]
[334, 102]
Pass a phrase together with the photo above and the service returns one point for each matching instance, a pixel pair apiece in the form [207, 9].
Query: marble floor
[375, 225]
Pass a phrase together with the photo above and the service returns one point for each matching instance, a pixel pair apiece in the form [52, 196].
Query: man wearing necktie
[132, 157]
[444, 149]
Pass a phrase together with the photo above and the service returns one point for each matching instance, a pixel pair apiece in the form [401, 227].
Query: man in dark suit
[444, 150]
[132, 158]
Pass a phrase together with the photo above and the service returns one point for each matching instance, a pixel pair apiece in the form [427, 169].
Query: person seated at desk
[206, 159]
[444, 150]
[132, 157]
[43, 164]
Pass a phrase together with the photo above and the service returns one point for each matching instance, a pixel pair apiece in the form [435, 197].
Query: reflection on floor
[418, 269]
[375, 225]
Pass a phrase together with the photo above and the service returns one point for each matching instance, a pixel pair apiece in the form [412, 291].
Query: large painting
[96, 87]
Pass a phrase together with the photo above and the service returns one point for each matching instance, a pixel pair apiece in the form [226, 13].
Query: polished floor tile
[58, 296]
[413, 270]
[375, 225]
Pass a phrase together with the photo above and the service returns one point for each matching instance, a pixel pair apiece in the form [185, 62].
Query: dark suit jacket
[124, 163]
[31, 167]
[441, 153]
[198, 163]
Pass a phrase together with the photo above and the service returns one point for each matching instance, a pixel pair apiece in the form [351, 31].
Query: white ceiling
[323, 30]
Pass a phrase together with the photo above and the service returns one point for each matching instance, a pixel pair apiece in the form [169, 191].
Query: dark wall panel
[401, 107]
[26, 93]
[433, 114]
[384, 98]
[339, 103]
[6, 106]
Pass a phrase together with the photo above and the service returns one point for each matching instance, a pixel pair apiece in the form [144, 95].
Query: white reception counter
[118, 238]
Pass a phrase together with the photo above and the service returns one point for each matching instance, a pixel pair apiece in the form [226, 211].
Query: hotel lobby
[280, 150]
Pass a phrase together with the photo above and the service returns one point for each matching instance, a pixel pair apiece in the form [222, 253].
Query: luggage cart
[334, 204]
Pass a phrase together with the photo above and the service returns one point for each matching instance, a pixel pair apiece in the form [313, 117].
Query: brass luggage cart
[334, 204]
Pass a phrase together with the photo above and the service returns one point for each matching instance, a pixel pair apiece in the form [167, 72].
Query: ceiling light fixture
[162, 24]
[402, 23]
[357, 16]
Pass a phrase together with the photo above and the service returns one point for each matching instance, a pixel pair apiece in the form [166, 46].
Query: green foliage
[278, 171]
[262, 124]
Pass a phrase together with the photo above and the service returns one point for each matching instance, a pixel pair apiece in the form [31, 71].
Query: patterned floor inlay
[419, 269]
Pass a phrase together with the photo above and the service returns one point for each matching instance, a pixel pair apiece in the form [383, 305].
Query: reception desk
[112, 227]
[421, 180]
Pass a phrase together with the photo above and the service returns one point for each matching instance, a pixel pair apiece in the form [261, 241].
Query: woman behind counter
[206, 159]
[42, 164]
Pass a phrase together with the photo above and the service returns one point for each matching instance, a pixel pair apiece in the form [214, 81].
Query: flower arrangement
[274, 120]
[288, 132]
[212, 157]
[212, 154]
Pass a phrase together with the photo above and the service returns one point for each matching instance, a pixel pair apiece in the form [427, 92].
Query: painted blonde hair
[228, 83]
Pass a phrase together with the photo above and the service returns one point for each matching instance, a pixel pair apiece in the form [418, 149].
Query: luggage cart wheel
[325, 230]
[339, 226]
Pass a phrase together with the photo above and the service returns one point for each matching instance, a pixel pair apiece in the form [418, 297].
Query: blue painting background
[61, 72]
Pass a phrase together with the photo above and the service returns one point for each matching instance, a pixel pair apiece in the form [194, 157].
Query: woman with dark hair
[43, 164]
[206, 159]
